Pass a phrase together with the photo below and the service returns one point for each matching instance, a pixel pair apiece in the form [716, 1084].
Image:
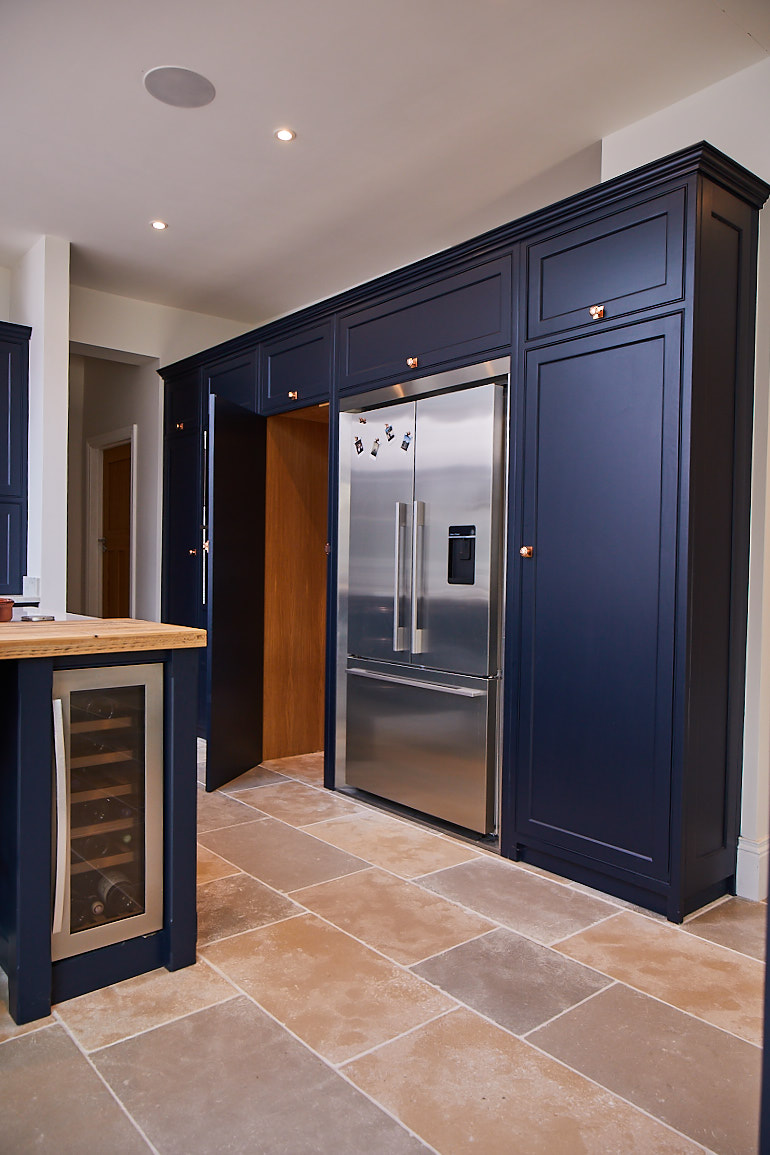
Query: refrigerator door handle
[458, 691]
[399, 633]
[62, 816]
[418, 525]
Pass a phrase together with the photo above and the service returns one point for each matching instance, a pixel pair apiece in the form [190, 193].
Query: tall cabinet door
[601, 432]
[234, 592]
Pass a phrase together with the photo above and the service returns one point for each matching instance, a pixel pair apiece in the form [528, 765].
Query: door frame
[95, 447]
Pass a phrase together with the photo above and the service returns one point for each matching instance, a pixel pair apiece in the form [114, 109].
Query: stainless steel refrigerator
[424, 489]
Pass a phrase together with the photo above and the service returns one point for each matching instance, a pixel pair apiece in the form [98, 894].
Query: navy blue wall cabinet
[630, 477]
[234, 378]
[593, 764]
[630, 260]
[634, 441]
[460, 317]
[297, 370]
[14, 361]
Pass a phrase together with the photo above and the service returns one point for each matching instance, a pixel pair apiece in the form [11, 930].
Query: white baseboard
[751, 879]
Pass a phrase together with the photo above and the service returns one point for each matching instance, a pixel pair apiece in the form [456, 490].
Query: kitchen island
[97, 805]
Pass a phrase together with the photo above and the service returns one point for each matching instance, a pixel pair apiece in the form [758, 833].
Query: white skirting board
[752, 871]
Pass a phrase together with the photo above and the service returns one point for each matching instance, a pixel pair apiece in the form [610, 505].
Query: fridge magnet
[359, 445]
[376, 447]
[407, 439]
[362, 421]
[389, 432]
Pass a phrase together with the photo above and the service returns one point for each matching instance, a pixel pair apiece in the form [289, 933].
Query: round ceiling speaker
[179, 86]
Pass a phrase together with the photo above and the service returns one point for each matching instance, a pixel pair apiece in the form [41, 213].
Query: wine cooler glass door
[109, 789]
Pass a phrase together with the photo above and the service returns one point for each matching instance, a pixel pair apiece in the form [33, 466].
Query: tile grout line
[111, 1090]
[326, 1062]
[548, 946]
[617, 1095]
[154, 1027]
[560, 1014]
[397, 1038]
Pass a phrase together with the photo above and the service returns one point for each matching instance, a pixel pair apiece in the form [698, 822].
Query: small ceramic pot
[6, 609]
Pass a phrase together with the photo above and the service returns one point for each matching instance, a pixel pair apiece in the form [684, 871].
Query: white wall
[107, 321]
[40, 297]
[5, 294]
[733, 116]
[115, 396]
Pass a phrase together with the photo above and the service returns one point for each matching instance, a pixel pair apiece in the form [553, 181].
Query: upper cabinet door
[616, 265]
[464, 316]
[297, 369]
[234, 378]
[14, 342]
[13, 416]
[601, 448]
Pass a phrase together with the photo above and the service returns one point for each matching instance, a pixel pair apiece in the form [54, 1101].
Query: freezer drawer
[424, 742]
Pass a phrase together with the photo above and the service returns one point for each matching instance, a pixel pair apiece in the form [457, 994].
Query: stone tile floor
[367, 985]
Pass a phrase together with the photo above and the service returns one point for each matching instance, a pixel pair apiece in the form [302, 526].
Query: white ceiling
[419, 123]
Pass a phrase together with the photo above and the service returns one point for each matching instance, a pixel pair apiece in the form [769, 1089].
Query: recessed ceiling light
[180, 87]
[159, 225]
[285, 134]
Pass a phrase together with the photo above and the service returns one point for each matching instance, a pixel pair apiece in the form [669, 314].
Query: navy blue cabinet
[234, 378]
[631, 334]
[296, 370]
[634, 449]
[601, 445]
[14, 360]
[461, 317]
[630, 260]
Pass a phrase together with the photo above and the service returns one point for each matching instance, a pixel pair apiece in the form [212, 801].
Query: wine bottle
[121, 896]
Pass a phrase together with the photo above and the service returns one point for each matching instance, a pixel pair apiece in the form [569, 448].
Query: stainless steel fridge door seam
[459, 691]
[418, 535]
[399, 632]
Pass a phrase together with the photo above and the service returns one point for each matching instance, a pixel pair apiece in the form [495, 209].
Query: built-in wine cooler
[108, 824]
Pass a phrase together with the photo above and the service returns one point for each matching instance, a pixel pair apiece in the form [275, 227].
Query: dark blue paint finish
[26, 816]
[234, 378]
[14, 406]
[300, 364]
[25, 829]
[628, 261]
[457, 317]
[600, 492]
[235, 590]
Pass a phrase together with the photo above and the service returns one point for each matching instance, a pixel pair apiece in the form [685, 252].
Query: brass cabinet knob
[192, 552]
[293, 394]
[526, 551]
[411, 362]
[180, 424]
[597, 312]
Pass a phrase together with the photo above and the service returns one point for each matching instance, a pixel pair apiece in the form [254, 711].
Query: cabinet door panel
[183, 404]
[297, 369]
[234, 379]
[12, 546]
[13, 418]
[600, 493]
[459, 316]
[629, 261]
[182, 528]
[235, 590]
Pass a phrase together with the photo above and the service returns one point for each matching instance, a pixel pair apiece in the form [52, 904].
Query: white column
[40, 298]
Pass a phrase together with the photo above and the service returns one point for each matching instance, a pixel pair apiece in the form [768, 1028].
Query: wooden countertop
[93, 636]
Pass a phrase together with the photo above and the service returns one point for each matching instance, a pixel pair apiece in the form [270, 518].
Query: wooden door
[594, 762]
[116, 531]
